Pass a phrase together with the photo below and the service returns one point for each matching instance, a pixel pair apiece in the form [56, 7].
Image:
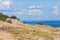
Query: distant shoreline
[55, 24]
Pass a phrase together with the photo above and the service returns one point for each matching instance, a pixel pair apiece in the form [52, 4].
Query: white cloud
[5, 4]
[56, 10]
[19, 13]
[35, 12]
[33, 6]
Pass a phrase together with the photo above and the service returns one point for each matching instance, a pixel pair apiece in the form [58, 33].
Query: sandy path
[6, 36]
[57, 39]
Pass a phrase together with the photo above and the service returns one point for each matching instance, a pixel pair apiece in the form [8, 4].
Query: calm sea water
[50, 23]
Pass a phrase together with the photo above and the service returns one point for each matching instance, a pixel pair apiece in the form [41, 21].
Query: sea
[55, 24]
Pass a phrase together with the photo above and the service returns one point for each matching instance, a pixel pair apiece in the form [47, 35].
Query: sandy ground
[6, 36]
[57, 39]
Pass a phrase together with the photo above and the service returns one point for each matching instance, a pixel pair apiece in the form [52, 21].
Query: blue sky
[30, 10]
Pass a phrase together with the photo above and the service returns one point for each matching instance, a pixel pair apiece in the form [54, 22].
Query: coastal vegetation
[3, 17]
[17, 30]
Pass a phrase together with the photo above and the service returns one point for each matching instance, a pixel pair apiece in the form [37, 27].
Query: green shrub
[9, 21]
[13, 17]
[3, 17]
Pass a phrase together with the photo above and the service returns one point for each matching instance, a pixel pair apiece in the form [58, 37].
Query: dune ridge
[21, 31]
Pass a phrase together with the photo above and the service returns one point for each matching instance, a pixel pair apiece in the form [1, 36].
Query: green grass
[3, 17]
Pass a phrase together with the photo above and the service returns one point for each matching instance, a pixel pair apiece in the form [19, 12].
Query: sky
[31, 10]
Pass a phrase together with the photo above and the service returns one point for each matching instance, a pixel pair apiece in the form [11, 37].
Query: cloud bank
[5, 4]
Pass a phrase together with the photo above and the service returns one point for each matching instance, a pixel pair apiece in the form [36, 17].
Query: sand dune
[20, 31]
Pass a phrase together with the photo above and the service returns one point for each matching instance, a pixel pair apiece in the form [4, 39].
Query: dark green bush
[4, 17]
[40, 23]
[13, 17]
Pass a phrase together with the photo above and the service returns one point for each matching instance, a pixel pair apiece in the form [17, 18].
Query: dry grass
[31, 32]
